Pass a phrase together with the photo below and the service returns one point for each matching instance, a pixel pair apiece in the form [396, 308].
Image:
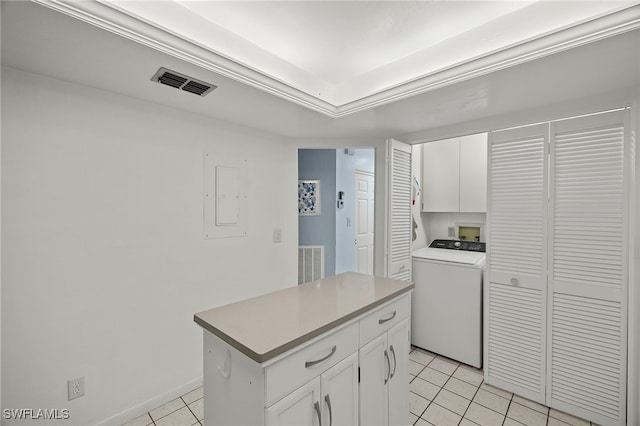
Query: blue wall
[320, 164]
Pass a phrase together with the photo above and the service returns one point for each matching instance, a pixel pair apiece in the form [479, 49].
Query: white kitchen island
[327, 353]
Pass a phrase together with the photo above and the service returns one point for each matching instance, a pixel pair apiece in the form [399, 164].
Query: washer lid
[455, 256]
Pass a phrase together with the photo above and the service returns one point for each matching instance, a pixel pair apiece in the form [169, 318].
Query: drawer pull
[386, 356]
[316, 407]
[395, 361]
[318, 361]
[383, 320]
[328, 401]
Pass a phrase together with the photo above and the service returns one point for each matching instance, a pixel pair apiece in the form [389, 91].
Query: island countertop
[269, 325]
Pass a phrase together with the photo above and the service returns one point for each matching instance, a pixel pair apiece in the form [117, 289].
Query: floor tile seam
[425, 409]
[470, 402]
[444, 408]
[511, 418]
[162, 417]
[496, 394]
[489, 408]
[194, 414]
[469, 420]
[532, 409]
[434, 398]
[191, 411]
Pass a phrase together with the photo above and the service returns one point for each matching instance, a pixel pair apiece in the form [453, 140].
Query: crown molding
[122, 24]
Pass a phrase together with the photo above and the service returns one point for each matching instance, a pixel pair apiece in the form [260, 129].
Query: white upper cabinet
[455, 175]
[441, 176]
[473, 173]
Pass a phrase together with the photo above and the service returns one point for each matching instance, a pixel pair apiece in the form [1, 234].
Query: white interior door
[364, 222]
[516, 277]
[588, 281]
[399, 226]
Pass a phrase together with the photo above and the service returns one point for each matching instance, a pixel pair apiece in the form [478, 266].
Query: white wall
[440, 222]
[103, 254]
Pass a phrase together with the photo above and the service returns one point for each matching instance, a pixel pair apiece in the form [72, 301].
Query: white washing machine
[446, 305]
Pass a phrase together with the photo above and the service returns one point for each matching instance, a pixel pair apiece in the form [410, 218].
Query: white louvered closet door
[588, 283]
[515, 286]
[399, 211]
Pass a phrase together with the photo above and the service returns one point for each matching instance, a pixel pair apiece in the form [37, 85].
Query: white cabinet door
[473, 173]
[300, 408]
[398, 339]
[399, 227]
[339, 387]
[587, 280]
[384, 384]
[515, 293]
[441, 176]
[375, 366]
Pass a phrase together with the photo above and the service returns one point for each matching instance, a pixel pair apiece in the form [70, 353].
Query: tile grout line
[190, 410]
[470, 401]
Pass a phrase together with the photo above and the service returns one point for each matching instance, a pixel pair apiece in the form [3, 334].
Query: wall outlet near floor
[75, 388]
[451, 231]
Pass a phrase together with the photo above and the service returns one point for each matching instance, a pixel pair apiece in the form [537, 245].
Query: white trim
[148, 405]
[633, 309]
[108, 18]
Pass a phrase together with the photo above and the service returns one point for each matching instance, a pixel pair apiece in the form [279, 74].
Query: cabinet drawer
[302, 365]
[383, 318]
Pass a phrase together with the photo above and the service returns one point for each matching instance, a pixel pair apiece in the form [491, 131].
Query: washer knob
[457, 244]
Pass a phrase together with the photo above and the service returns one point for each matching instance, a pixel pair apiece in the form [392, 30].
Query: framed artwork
[308, 197]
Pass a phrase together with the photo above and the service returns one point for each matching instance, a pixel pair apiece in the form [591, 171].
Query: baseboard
[150, 404]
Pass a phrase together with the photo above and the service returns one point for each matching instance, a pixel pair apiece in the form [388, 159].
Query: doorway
[334, 226]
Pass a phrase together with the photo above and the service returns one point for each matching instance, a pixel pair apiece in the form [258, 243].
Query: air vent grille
[183, 82]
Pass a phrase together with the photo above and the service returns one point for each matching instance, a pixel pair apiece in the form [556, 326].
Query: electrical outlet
[452, 232]
[75, 388]
[277, 235]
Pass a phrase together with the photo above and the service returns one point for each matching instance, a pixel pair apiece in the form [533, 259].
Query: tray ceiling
[339, 57]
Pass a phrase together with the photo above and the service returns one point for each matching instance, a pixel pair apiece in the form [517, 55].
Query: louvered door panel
[399, 237]
[515, 297]
[585, 360]
[515, 332]
[588, 282]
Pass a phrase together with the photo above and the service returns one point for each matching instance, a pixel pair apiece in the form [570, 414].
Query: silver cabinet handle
[395, 361]
[514, 281]
[383, 320]
[318, 361]
[316, 407]
[328, 401]
[386, 355]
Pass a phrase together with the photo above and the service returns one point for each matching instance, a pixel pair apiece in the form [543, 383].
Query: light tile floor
[443, 392]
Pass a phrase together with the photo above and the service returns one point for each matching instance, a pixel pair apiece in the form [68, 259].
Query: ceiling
[345, 52]
[340, 70]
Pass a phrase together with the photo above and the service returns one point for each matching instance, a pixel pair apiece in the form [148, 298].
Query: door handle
[386, 356]
[316, 406]
[328, 401]
[383, 320]
[395, 361]
[318, 361]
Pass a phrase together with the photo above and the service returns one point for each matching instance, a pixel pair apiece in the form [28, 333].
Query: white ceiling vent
[181, 81]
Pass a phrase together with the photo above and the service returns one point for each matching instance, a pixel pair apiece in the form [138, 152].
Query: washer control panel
[460, 245]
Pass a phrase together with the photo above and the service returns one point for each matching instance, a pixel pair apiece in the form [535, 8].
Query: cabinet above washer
[454, 174]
